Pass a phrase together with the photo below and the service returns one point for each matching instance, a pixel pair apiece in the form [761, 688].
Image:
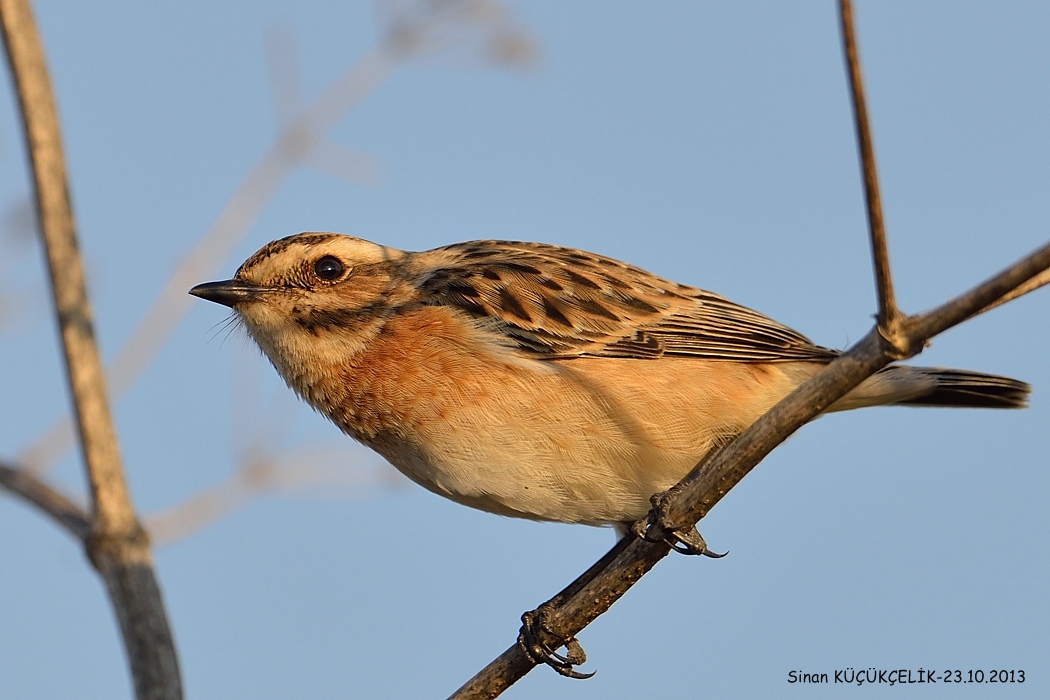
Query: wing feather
[557, 302]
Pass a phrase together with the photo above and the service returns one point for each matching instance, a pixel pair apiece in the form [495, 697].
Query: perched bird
[532, 380]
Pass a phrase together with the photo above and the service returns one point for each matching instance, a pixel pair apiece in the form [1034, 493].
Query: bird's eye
[329, 268]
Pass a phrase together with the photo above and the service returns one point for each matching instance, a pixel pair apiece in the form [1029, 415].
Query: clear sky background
[710, 143]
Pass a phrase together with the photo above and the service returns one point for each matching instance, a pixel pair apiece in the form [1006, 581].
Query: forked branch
[116, 544]
[54, 504]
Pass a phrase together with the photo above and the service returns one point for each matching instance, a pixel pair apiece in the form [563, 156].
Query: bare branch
[116, 544]
[888, 314]
[1031, 285]
[992, 293]
[84, 368]
[58, 506]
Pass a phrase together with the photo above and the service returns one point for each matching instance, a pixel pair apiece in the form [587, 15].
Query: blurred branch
[301, 146]
[284, 67]
[58, 506]
[414, 27]
[17, 232]
[676, 512]
[258, 476]
[265, 465]
[344, 163]
[431, 24]
[19, 222]
[116, 543]
[84, 368]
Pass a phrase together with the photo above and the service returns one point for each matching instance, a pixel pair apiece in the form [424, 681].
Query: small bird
[532, 380]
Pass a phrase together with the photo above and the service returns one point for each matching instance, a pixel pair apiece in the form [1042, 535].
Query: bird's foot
[533, 641]
[656, 527]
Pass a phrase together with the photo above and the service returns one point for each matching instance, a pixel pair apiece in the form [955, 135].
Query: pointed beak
[229, 292]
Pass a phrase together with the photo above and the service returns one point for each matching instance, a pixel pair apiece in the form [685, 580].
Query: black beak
[228, 292]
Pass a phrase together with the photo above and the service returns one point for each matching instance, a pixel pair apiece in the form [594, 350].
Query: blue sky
[710, 143]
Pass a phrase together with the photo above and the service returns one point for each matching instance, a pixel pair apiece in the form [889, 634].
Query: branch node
[540, 644]
[104, 546]
[896, 343]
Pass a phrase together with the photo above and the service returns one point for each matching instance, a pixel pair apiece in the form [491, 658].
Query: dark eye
[329, 268]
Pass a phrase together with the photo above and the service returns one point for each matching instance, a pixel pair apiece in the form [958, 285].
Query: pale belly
[582, 440]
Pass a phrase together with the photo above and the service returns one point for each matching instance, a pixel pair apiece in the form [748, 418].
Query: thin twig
[888, 314]
[116, 545]
[1031, 285]
[52, 502]
[986, 296]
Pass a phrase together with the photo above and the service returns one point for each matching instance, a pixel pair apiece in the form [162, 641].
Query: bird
[533, 380]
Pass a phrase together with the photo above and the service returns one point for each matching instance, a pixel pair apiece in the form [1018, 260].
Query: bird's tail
[934, 386]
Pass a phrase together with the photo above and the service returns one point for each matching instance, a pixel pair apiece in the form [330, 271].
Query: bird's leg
[540, 642]
[533, 641]
[656, 527]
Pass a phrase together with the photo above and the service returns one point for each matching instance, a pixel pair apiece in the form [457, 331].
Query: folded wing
[558, 303]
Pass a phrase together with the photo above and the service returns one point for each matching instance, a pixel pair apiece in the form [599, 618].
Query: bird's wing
[557, 302]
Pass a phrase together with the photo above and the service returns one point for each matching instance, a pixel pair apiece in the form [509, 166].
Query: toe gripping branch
[540, 643]
[533, 640]
[657, 527]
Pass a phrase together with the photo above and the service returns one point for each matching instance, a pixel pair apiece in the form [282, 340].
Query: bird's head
[310, 294]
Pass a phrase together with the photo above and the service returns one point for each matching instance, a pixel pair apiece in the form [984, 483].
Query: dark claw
[692, 543]
[541, 653]
[689, 542]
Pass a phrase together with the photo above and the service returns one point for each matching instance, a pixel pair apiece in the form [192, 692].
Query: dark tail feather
[963, 389]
